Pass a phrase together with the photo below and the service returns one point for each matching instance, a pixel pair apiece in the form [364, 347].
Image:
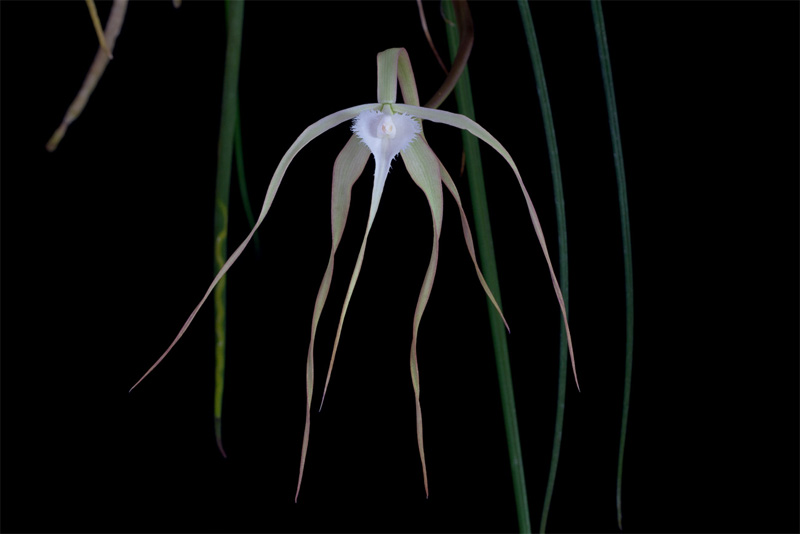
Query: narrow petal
[448, 182]
[346, 170]
[381, 172]
[306, 137]
[386, 135]
[423, 167]
[460, 121]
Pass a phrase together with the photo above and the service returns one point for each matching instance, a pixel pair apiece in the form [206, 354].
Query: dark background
[107, 247]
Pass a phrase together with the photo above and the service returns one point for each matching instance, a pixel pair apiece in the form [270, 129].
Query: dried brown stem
[101, 59]
[423, 21]
[466, 34]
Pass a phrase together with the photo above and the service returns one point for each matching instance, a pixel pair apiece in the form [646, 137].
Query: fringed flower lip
[385, 129]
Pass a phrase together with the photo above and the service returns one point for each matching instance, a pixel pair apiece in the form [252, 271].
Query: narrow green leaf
[622, 191]
[486, 250]
[561, 221]
[227, 129]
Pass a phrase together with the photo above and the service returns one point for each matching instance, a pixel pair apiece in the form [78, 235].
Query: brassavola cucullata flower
[385, 130]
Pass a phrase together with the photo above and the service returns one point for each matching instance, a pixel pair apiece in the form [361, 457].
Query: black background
[107, 246]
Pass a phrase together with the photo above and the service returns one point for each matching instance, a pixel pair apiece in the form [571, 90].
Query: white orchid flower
[383, 129]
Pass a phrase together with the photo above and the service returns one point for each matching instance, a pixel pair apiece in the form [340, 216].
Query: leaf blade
[622, 192]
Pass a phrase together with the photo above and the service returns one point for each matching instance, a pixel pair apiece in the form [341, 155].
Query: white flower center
[386, 128]
[385, 134]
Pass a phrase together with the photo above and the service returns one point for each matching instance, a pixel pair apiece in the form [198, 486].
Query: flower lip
[385, 134]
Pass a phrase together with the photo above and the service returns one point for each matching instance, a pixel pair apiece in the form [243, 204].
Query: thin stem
[563, 275]
[459, 50]
[101, 59]
[98, 27]
[483, 233]
[235, 18]
[616, 140]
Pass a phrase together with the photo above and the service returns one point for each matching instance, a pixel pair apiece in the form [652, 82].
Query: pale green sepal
[451, 186]
[386, 135]
[381, 172]
[423, 167]
[394, 66]
[309, 134]
[387, 76]
[346, 170]
[460, 121]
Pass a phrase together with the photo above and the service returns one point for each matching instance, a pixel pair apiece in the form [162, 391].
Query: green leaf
[622, 191]
[227, 129]
[561, 222]
[480, 208]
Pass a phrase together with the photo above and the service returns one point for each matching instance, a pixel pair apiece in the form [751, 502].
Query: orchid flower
[383, 129]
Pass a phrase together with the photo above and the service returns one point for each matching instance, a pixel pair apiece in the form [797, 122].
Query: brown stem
[466, 34]
[113, 27]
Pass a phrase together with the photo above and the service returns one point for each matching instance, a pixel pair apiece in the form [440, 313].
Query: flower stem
[235, 18]
[616, 141]
[561, 221]
[489, 267]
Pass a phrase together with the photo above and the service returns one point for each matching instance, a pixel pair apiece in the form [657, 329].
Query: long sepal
[386, 135]
[306, 137]
[381, 172]
[423, 167]
[464, 123]
[451, 186]
[346, 170]
[394, 68]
